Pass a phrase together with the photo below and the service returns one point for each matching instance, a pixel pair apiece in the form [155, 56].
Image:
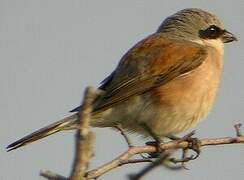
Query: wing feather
[151, 63]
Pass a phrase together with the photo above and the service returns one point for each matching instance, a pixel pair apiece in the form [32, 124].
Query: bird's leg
[127, 139]
[158, 141]
[173, 137]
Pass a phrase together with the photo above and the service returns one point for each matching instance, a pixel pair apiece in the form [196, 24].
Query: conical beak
[228, 37]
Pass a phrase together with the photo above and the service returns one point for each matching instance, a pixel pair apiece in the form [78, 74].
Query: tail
[64, 124]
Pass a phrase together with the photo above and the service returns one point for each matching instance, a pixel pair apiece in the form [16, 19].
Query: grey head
[194, 24]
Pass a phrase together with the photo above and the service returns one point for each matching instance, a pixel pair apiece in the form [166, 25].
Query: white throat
[215, 43]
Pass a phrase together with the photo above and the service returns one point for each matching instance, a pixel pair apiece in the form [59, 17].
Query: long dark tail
[64, 124]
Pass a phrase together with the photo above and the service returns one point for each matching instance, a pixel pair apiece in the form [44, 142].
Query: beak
[228, 37]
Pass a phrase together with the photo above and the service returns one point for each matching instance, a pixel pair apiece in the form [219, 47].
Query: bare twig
[134, 161]
[84, 138]
[52, 176]
[165, 156]
[84, 142]
[151, 166]
[176, 144]
[84, 153]
[238, 129]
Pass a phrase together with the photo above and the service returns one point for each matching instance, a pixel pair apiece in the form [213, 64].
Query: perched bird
[163, 85]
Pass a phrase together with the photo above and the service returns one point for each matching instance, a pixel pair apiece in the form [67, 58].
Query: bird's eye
[212, 32]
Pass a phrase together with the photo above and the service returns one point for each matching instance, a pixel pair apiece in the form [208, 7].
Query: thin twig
[165, 156]
[238, 129]
[84, 138]
[84, 142]
[52, 176]
[147, 169]
[134, 161]
[177, 144]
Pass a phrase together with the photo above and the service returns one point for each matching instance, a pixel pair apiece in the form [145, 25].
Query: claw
[194, 144]
[159, 151]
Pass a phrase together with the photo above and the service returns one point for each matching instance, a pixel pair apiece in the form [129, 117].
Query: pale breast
[186, 100]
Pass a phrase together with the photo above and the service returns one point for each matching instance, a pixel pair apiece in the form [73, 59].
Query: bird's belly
[166, 114]
[163, 119]
[186, 113]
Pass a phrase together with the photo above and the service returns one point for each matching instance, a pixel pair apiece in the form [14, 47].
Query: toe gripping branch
[194, 144]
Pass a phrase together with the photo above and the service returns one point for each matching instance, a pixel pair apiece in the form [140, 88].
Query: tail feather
[64, 124]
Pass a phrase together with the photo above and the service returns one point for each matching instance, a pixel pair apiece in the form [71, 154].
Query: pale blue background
[50, 50]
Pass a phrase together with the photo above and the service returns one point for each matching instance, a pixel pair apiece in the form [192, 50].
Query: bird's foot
[157, 144]
[194, 144]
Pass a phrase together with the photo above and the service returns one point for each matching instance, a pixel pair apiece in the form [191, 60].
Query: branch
[151, 166]
[84, 142]
[84, 138]
[124, 158]
[52, 176]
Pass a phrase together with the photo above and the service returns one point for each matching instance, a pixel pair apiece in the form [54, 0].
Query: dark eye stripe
[212, 32]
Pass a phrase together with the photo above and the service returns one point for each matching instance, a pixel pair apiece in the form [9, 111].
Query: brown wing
[151, 63]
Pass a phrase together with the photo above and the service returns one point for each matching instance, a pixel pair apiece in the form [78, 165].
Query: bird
[164, 85]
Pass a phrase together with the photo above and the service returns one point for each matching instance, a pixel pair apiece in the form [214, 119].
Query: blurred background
[50, 50]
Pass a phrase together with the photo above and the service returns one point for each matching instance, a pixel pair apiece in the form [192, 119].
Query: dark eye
[212, 32]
